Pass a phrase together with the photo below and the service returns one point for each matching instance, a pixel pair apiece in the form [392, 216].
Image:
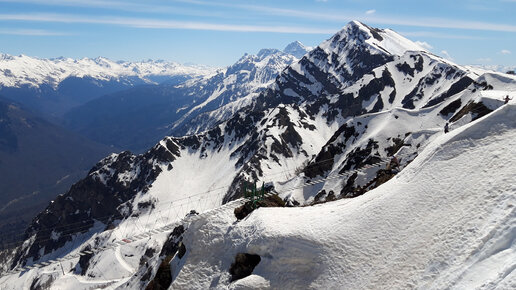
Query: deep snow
[447, 221]
[433, 226]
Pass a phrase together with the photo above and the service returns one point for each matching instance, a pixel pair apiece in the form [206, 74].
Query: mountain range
[317, 134]
[53, 86]
[133, 118]
[137, 118]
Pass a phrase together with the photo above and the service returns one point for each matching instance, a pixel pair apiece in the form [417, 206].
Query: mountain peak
[296, 49]
[264, 52]
[382, 40]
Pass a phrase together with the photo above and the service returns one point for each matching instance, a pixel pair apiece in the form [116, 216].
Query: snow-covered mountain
[316, 134]
[137, 118]
[297, 49]
[22, 70]
[233, 88]
[53, 86]
[445, 222]
[494, 67]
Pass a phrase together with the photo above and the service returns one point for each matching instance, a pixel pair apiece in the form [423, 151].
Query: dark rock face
[98, 197]
[451, 108]
[270, 201]
[243, 266]
[361, 156]
[324, 161]
[41, 283]
[397, 143]
[374, 87]
[173, 245]
[477, 110]
[455, 88]
[84, 262]
[406, 69]
[322, 197]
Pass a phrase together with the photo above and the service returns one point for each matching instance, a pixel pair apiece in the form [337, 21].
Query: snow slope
[447, 221]
[347, 103]
[218, 96]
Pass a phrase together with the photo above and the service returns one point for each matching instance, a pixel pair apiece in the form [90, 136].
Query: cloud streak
[431, 34]
[160, 24]
[369, 16]
[383, 20]
[424, 45]
[124, 6]
[31, 32]
[446, 55]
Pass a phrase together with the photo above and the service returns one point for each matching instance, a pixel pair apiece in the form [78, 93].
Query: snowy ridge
[347, 104]
[233, 88]
[385, 40]
[297, 49]
[395, 236]
[16, 71]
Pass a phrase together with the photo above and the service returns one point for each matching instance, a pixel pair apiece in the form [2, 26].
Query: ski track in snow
[122, 262]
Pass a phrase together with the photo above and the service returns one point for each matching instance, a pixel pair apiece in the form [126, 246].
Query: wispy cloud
[336, 16]
[371, 18]
[385, 20]
[160, 24]
[124, 6]
[31, 32]
[446, 55]
[424, 45]
[505, 51]
[431, 34]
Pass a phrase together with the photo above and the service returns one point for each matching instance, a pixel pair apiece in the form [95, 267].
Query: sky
[219, 32]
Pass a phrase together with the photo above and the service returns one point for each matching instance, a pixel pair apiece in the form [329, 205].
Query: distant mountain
[498, 68]
[38, 161]
[53, 86]
[297, 49]
[237, 86]
[137, 118]
[319, 132]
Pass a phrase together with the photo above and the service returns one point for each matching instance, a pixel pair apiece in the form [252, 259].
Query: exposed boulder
[243, 265]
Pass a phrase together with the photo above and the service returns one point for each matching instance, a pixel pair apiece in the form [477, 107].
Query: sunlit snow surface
[25, 70]
[447, 221]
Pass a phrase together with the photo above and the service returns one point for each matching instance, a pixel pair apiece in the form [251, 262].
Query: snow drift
[447, 221]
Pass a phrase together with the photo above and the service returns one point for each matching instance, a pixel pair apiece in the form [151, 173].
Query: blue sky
[218, 32]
